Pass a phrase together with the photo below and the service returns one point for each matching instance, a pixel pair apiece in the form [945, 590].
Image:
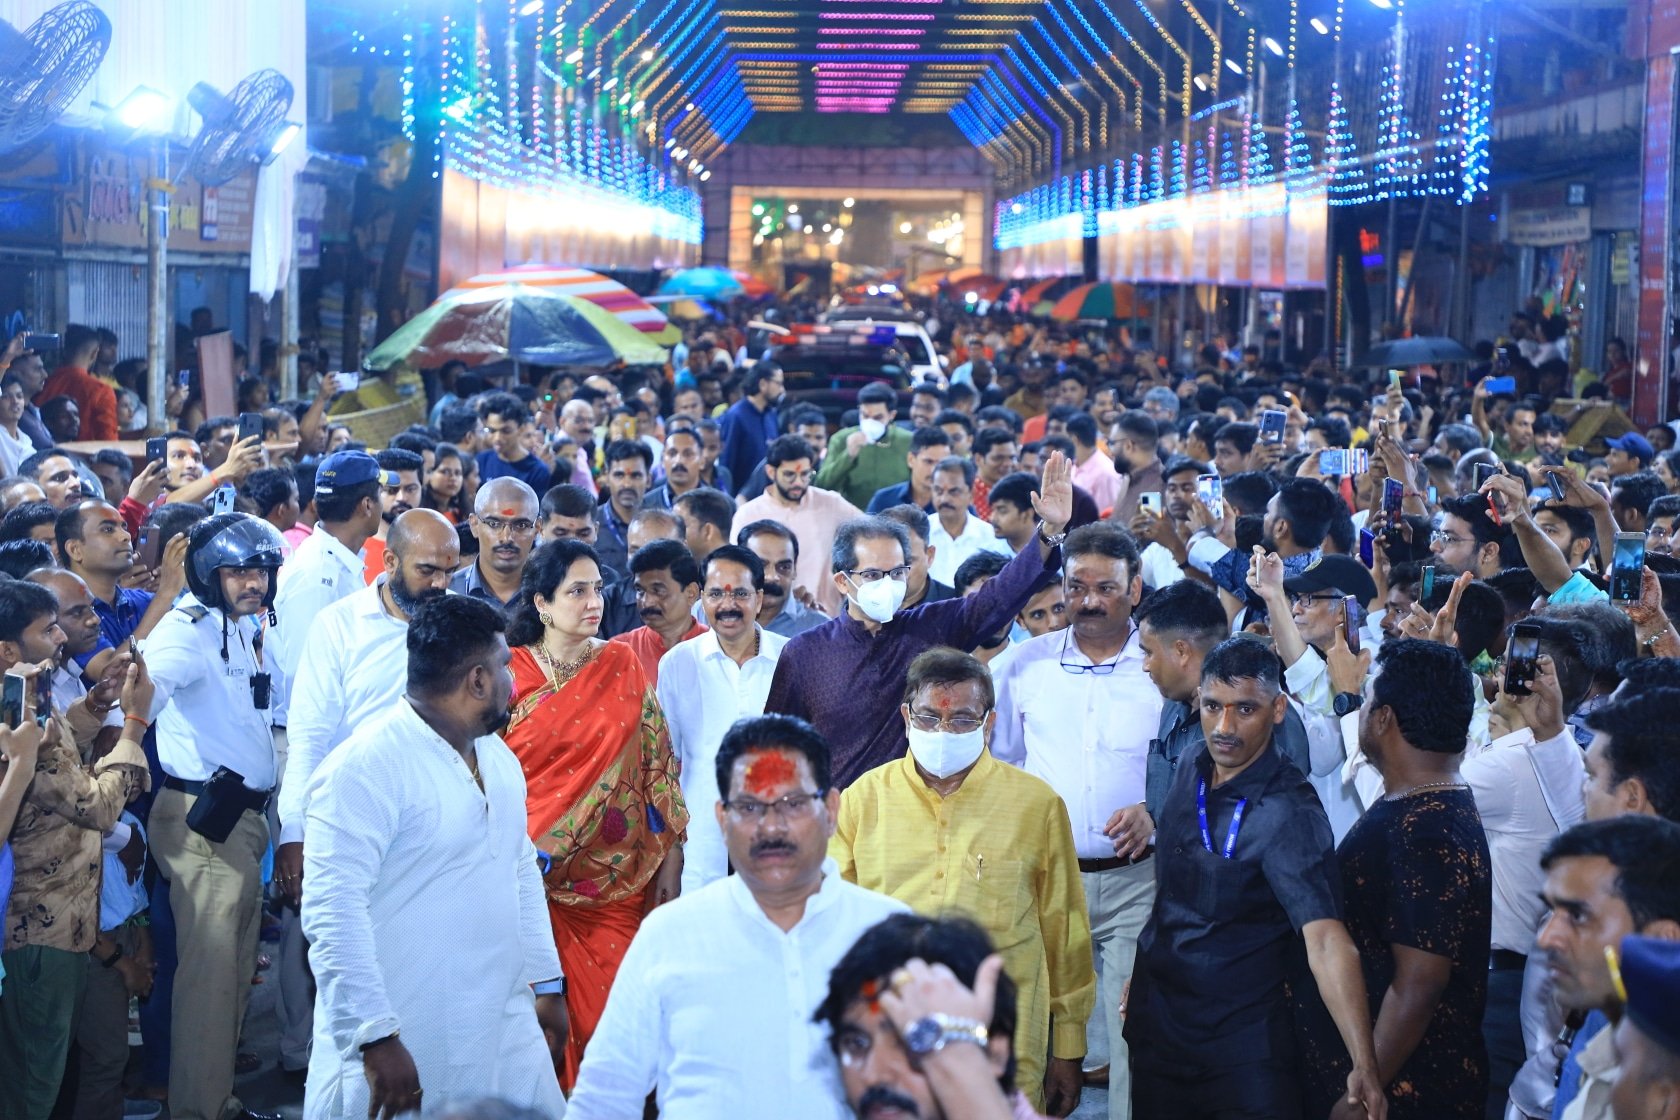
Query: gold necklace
[557, 670]
[1448, 783]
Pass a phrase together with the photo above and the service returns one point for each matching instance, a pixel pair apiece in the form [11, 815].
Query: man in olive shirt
[1245, 865]
[871, 456]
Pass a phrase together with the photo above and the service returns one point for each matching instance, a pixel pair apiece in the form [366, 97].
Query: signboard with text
[107, 204]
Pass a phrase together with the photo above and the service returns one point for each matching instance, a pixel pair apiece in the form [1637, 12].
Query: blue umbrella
[704, 283]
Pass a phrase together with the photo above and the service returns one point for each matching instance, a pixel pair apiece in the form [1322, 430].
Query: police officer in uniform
[209, 826]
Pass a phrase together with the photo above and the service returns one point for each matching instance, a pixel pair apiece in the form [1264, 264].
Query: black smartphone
[1481, 472]
[157, 449]
[1627, 567]
[1554, 488]
[1350, 621]
[1271, 425]
[1522, 658]
[150, 549]
[250, 424]
[12, 693]
[40, 342]
[1427, 587]
[1393, 504]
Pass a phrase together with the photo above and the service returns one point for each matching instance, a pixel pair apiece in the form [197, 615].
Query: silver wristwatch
[934, 1032]
[1054, 540]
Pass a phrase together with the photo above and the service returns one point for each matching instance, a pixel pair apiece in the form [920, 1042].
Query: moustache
[764, 847]
[1225, 744]
[883, 1096]
[651, 612]
[774, 590]
[730, 615]
[1091, 612]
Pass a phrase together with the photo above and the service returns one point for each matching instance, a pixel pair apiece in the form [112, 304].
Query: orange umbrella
[928, 282]
[986, 289]
[751, 286]
[1096, 301]
[964, 275]
[1040, 291]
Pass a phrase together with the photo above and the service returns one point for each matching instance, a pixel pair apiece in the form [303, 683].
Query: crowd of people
[1251, 741]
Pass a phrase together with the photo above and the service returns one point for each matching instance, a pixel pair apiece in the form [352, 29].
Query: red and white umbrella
[603, 291]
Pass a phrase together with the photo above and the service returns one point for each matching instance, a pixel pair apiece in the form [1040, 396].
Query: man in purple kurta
[847, 676]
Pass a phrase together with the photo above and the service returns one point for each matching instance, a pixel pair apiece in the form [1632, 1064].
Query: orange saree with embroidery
[603, 801]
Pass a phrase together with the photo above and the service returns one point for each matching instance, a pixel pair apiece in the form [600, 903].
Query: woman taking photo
[445, 489]
[601, 781]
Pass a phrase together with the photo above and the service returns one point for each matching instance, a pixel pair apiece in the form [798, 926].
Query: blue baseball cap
[1634, 444]
[350, 468]
[1651, 974]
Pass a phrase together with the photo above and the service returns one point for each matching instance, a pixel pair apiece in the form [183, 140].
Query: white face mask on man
[943, 753]
[872, 429]
[880, 599]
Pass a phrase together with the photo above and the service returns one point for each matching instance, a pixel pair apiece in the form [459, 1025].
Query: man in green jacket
[873, 455]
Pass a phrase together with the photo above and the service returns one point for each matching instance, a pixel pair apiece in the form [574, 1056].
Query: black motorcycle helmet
[231, 540]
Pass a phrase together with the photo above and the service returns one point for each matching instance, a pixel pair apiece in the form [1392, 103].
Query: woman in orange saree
[602, 794]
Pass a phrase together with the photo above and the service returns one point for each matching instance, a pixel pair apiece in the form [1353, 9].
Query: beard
[792, 496]
[390, 515]
[406, 598]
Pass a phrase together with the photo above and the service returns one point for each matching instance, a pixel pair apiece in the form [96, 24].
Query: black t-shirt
[1224, 937]
[1415, 872]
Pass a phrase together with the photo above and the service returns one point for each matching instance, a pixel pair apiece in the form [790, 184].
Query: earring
[545, 619]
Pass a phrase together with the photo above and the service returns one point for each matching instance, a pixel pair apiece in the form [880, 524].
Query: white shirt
[14, 451]
[1526, 793]
[1086, 735]
[354, 666]
[319, 573]
[203, 705]
[712, 1007]
[977, 536]
[424, 911]
[1158, 566]
[702, 693]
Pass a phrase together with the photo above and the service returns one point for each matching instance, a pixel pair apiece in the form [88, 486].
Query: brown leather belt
[1114, 862]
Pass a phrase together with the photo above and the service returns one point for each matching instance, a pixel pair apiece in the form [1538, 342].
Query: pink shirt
[1098, 477]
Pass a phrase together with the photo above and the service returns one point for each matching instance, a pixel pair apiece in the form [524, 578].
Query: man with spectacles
[504, 521]
[505, 419]
[1076, 709]
[950, 829]
[759, 945]
[705, 685]
[845, 674]
[810, 512]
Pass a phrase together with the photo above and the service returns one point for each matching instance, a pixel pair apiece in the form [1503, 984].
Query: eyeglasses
[794, 805]
[1103, 669]
[740, 596]
[871, 575]
[522, 527]
[1313, 597]
[795, 476]
[1441, 536]
[957, 725]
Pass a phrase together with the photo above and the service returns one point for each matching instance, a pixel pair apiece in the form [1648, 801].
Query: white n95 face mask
[872, 430]
[943, 753]
[880, 600]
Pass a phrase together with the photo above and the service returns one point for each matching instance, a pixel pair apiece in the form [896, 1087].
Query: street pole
[157, 302]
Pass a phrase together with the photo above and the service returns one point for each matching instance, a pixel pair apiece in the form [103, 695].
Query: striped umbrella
[1046, 290]
[1096, 301]
[592, 286]
[515, 322]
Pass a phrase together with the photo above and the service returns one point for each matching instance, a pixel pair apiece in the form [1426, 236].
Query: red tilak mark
[944, 703]
[509, 512]
[768, 771]
[871, 992]
[729, 589]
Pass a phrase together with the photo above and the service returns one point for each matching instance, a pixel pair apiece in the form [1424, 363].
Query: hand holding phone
[1627, 568]
[1210, 491]
[1522, 658]
[1272, 422]
[250, 425]
[1351, 618]
[157, 449]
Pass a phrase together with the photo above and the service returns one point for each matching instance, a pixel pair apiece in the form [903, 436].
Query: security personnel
[209, 823]
[1648, 1037]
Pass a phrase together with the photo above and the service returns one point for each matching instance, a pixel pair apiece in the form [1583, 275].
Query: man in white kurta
[425, 915]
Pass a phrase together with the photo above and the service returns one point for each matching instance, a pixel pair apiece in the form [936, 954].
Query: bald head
[506, 498]
[76, 615]
[653, 525]
[423, 530]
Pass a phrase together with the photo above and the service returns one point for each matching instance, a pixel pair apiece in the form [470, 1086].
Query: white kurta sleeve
[315, 712]
[353, 818]
[621, 1065]
[536, 935]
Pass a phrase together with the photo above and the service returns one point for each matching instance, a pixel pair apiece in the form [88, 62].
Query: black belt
[1113, 863]
[258, 797]
[1506, 960]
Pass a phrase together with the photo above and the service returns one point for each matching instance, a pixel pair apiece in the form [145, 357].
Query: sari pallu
[603, 800]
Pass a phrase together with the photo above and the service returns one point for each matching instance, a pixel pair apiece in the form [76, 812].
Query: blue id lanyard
[1236, 820]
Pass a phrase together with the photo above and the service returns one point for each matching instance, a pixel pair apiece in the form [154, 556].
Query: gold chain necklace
[1450, 783]
[558, 670]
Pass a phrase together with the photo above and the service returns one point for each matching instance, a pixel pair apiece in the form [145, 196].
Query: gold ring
[900, 978]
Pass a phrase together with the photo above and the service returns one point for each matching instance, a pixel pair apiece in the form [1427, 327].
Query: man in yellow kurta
[948, 829]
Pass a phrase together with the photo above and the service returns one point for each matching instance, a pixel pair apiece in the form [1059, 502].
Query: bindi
[508, 512]
[768, 771]
[944, 703]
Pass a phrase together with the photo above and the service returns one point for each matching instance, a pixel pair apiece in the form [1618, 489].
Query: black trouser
[1503, 1035]
[1252, 1091]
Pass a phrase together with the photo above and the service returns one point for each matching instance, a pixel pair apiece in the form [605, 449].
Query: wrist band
[136, 719]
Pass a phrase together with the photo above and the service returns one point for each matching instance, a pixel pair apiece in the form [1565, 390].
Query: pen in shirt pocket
[979, 866]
